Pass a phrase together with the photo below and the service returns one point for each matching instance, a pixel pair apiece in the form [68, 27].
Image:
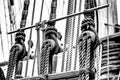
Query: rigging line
[63, 55]
[38, 40]
[69, 24]
[78, 31]
[10, 18]
[96, 12]
[63, 6]
[34, 61]
[47, 8]
[29, 46]
[66, 41]
[108, 40]
[6, 21]
[72, 30]
[2, 43]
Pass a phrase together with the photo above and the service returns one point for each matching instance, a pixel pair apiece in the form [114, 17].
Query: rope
[12, 62]
[83, 55]
[11, 16]
[70, 41]
[87, 62]
[80, 57]
[1, 40]
[72, 34]
[78, 29]
[24, 13]
[29, 46]
[108, 40]
[47, 64]
[6, 21]
[44, 68]
[67, 38]
[42, 61]
[38, 40]
[34, 61]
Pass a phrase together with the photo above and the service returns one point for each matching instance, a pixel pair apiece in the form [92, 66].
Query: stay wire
[29, 46]
[38, 40]
[108, 40]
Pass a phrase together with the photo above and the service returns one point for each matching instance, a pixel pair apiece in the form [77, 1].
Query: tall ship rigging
[59, 39]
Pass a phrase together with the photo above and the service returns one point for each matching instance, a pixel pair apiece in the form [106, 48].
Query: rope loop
[86, 22]
[49, 31]
[20, 36]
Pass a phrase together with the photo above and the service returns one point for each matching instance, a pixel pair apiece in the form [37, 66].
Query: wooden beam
[115, 35]
[4, 63]
[67, 75]
[33, 78]
[62, 75]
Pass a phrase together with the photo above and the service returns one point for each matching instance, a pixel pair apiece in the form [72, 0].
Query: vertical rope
[84, 44]
[30, 36]
[70, 26]
[38, 40]
[44, 68]
[34, 62]
[42, 61]
[66, 40]
[80, 58]
[72, 33]
[24, 13]
[12, 62]
[11, 16]
[78, 29]
[108, 40]
[47, 64]
[63, 55]
[87, 62]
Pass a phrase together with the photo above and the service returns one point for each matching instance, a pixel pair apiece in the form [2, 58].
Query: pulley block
[49, 42]
[88, 34]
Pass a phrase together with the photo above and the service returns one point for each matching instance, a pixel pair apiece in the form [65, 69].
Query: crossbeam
[65, 17]
[116, 25]
[62, 75]
[67, 75]
[33, 78]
